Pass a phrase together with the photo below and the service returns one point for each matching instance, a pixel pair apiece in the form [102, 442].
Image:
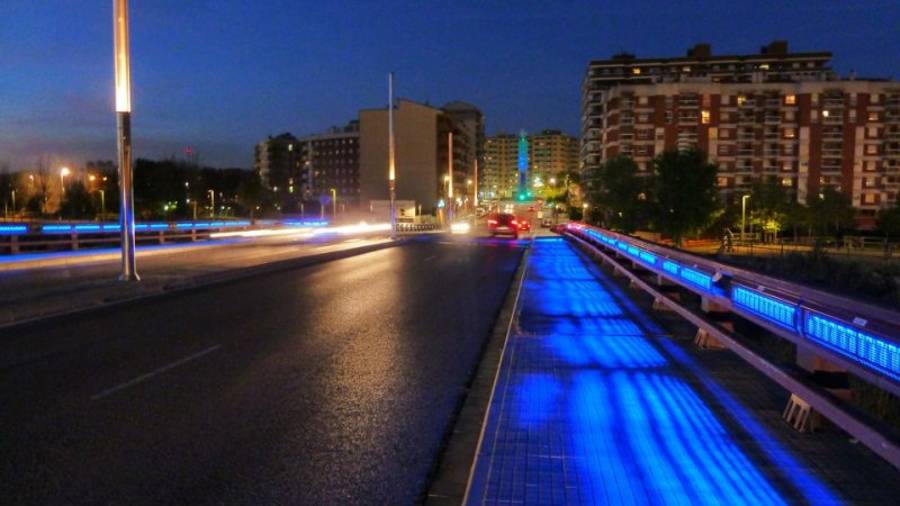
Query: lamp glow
[122, 60]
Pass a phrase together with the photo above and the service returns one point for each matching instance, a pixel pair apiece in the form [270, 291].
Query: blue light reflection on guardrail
[13, 229]
[853, 343]
[868, 350]
[767, 307]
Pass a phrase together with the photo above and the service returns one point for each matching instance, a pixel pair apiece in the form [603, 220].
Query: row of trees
[679, 198]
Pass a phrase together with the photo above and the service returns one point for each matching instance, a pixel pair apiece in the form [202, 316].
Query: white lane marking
[145, 377]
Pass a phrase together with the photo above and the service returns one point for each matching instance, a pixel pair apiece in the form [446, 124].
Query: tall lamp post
[212, 201]
[334, 204]
[450, 177]
[392, 176]
[744, 216]
[123, 121]
[63, 172]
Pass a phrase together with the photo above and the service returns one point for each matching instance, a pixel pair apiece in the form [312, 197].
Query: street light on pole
[63, 172]
[123, 119]
[450, 177]
[334, 204]
[744, 216]
[392, 176]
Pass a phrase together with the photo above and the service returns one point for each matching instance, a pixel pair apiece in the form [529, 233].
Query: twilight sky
[221, 75]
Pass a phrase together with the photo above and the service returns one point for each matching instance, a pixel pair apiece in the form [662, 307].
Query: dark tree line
[679, 198]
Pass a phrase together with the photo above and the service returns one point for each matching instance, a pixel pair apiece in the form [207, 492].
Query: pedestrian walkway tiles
[594, 406]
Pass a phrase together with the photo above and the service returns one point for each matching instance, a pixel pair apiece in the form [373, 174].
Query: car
[524, 224]
[503, 224]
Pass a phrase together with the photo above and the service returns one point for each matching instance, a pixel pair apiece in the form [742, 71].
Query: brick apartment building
[775, 114]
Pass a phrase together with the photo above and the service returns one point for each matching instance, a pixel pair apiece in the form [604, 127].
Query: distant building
[331, 160]
[545, 155]
[469, 121]
[551, 152]
[500, 174]
[302, 169]
[776, 115]
[421, 136]
[277, 162]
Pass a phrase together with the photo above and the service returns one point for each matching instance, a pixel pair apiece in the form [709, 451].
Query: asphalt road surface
[331, 384]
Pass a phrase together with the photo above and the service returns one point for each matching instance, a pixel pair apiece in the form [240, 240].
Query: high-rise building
[469, 121]
[500, 173]
[422, 154]
[277, 162]
[544, 156]
[331, 160]
[551, 152]
[778, 115]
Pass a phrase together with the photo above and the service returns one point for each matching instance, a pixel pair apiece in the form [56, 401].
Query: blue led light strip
[851, 342]
[767, 307]
[13, 229]
[696, 277]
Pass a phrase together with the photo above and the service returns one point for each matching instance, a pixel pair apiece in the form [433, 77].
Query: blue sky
[220, 75]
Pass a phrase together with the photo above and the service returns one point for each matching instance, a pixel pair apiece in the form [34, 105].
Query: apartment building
[550, 153]
[544, 155]
[775, 114]
[303, 168]
[500, 174]
[422, 139]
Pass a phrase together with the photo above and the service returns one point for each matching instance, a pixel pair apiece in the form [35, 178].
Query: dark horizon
[221, 78]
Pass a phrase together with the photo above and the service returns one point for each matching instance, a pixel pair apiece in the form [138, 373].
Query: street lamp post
[744, 216]
[392, 176]
[102, 204]
[123, 123]
[450, 177]
[63, 172]
[212, 201]
[334, 204]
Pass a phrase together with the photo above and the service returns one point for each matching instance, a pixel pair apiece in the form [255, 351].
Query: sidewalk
[54, 284]
[595, 404]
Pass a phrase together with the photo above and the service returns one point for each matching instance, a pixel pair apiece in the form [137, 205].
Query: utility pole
[392, 176]
[450, 177]
[123, 123]
[475, 179]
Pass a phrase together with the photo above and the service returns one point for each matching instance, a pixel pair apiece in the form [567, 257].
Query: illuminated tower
[522, 190]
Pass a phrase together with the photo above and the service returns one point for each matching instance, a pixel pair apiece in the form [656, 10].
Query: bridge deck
[593, 404]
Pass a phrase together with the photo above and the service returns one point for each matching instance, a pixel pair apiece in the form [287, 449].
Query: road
[331, 384]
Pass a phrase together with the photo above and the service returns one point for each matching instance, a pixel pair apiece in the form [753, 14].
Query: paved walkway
[593, 406]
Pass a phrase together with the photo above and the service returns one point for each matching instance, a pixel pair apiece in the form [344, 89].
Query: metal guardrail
[863, 430]
[862, 338]
[18, 237]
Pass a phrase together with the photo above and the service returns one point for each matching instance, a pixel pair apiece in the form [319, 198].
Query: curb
[10, 319]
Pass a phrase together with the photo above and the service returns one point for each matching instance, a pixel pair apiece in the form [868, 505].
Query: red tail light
[514, 222]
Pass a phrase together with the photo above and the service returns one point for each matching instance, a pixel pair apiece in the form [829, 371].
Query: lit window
[636, 71]
[764, 66]
[872, 132]
[825, 113]
[704, 117]
[873, 116]
[786, 181]
[790, 99]
[871, 149]
[741, 100]
[789, 133]
[723, 182]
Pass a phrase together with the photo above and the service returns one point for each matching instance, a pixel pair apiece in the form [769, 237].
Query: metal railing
[31, 237]
[862, 338]
[778, 310]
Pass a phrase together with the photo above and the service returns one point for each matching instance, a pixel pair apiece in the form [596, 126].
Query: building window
[825, 113]
[643, 100]
[725, 99]
[873, 116]
[871, 149]
[789, 133]
[870, 166]
[704, 117]
[872, 132]
[786, 181]
[723, 182]
[724, 133]
[636, 71]
[790, 99]
[741, 100]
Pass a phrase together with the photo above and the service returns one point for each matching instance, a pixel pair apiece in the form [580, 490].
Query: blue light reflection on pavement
[592, 407]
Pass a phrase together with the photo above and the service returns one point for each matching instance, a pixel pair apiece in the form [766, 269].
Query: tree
[684, 192]
[889, 221]
[831, 212]
[769, 203]
[77, 203]
[621, 195]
